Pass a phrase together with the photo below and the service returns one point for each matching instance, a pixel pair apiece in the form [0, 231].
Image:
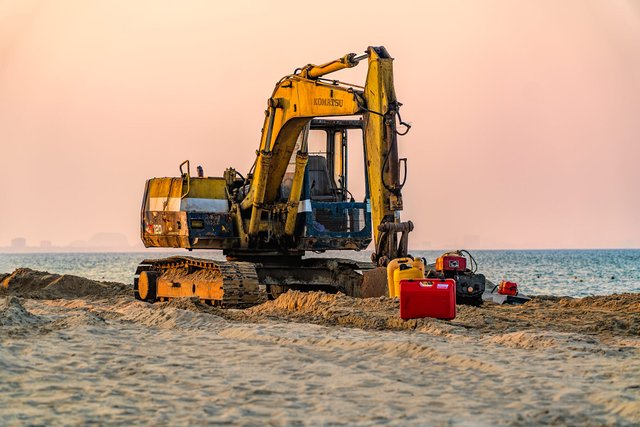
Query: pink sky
[526, 115]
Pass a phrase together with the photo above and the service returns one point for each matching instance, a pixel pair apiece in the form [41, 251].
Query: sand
[77, 351]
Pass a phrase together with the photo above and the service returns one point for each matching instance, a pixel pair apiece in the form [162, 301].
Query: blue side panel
[209, 225]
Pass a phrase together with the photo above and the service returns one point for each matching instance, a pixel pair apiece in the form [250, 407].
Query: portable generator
[469, 285]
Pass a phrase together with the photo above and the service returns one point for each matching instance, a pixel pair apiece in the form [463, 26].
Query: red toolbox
[428, 298]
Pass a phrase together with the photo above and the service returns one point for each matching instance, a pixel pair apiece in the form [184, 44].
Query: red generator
[451, 262]
[428, 298]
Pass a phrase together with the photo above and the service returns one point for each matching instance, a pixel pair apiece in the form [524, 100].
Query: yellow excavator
[298, 197]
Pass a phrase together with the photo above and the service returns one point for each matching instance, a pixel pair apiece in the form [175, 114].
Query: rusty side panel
[165, 229]
[187, 213]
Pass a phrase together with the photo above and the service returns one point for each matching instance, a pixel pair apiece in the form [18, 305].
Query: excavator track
[220, 283]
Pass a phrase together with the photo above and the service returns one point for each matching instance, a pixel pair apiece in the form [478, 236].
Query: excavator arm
[295, 101]
[383, 164]
[300, 97]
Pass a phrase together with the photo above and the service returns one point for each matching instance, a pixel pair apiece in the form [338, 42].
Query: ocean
[575, 273]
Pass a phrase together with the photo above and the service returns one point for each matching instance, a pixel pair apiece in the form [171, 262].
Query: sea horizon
[559, 272]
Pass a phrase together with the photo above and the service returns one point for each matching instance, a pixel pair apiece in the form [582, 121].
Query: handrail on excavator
[186, 176]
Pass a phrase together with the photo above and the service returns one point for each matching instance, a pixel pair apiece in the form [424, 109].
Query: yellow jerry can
[400, 269]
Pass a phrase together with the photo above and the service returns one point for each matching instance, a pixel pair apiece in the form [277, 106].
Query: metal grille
[338, 220]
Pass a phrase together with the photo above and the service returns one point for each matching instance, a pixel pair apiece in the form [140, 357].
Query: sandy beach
[76, 351]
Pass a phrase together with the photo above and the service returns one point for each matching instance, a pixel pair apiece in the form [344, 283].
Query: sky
[526, 115]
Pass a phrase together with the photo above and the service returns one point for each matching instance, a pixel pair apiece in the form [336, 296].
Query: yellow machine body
[289, 202]
[187, 212]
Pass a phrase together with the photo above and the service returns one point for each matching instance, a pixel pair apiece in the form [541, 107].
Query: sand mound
[77, 320]
[616, 316]
[190, 304]
[182, 313]
[338, 309]
[627, 302]
[602, 315]
[12, 313]
[612, 315]
[606, 316]
[540, 340]
[28, 283]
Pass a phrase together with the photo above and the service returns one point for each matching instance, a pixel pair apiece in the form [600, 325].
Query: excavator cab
[331, 216]
[328, 159]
